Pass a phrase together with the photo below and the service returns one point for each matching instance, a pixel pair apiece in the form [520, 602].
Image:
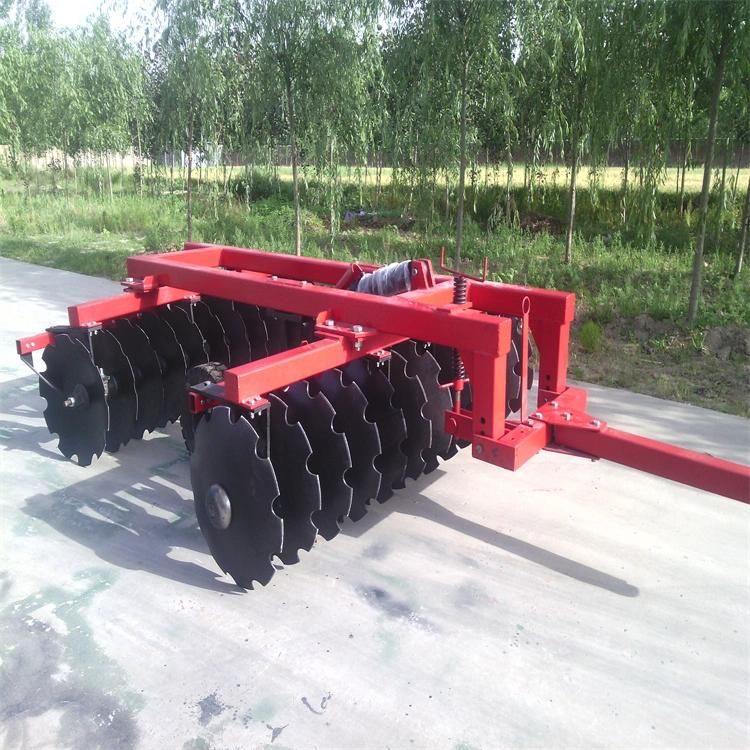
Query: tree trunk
[190, 182]
[461, 169]
[695, 287]
[743, 233]
[295, 175]
[685, 152]
[625, 184]
[109, 179]
[722, 193]
[572, 201]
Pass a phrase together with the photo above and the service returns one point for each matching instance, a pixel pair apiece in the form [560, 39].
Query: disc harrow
[308, 389]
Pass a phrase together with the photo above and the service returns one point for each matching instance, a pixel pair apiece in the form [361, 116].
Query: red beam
[400, 317]
[127, 303]
[32, 343]
[280, 370]
[699, 470]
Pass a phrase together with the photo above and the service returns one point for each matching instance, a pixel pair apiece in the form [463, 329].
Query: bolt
[303, 283]
[330, 323]
[596, 423]
[538, 415]
[478, 450]
[553, 404]
[129, 280]
[567, 416]
[69, 402]
[414, 270]
[274, 278]
[530, 422]
[357, 346]
[357, 329]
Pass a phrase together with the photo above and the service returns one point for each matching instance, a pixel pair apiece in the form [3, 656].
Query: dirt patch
[374, 221]
[535, 223]
[661, 359]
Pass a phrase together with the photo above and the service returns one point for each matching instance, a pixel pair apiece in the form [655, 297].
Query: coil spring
[460, 295]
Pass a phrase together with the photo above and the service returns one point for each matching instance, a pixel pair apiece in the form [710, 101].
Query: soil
[661, 359]
[535, 223]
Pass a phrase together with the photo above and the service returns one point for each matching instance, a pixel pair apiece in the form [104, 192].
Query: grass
[617, 275]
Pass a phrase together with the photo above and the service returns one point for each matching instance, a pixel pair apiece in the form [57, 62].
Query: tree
[187, 66]
[460, 49]
[703, 39]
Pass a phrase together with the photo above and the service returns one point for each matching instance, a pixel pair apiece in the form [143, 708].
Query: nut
[357, 329]
[330, 323]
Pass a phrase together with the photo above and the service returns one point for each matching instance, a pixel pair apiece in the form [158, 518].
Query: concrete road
[573, 604]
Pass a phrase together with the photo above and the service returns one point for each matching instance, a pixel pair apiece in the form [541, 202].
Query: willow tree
[459, 47]
[703, 40]
[186, 63]
[565, 54]
[313, 59]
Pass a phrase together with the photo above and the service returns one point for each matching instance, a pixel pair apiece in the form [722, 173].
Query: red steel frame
[350, 325]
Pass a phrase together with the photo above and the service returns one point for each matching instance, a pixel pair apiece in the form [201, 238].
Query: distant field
[553, 175]
[609, 178]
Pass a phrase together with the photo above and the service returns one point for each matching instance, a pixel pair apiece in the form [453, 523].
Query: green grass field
[618, 273]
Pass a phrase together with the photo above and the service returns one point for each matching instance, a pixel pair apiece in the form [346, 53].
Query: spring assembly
[460, 288]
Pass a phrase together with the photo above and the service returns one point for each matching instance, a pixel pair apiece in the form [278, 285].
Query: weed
[590, 336]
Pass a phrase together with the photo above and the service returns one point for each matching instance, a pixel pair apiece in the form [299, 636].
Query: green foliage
[590, 336]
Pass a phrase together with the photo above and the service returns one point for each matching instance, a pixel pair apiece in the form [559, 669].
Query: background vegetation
[588, 145]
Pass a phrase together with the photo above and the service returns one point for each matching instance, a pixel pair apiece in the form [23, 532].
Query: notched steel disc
[179, 318]
[422, 365]
[212, 331]
[350, 406]
[299, 489]
[234, 327]
[234, 490]
[278, 340]
[82, 428]
[122, 398]
[330, 459]
[256, 330]
[377, 389]
[410, 397]
[147, 374]
[172, 363]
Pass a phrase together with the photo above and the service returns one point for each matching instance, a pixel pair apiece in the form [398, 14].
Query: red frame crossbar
[351, 325]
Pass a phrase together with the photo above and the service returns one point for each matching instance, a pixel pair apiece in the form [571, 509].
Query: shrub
[590, 336]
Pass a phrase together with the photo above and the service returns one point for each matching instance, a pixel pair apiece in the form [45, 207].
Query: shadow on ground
[136, 514]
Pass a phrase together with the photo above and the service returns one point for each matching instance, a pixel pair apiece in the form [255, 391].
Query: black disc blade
[350, 406]
[147, 373]
[257, 331]
[410, 397]
[278, 340]
[234, 327]
[212, 331]
[513, 369]
[299, 489]
[235, 489]
[377, 389]
[179, 318]
[172, 363]
[81, 427]
[421, 364]
[211, 372]
[122, 399]
[330, 459]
